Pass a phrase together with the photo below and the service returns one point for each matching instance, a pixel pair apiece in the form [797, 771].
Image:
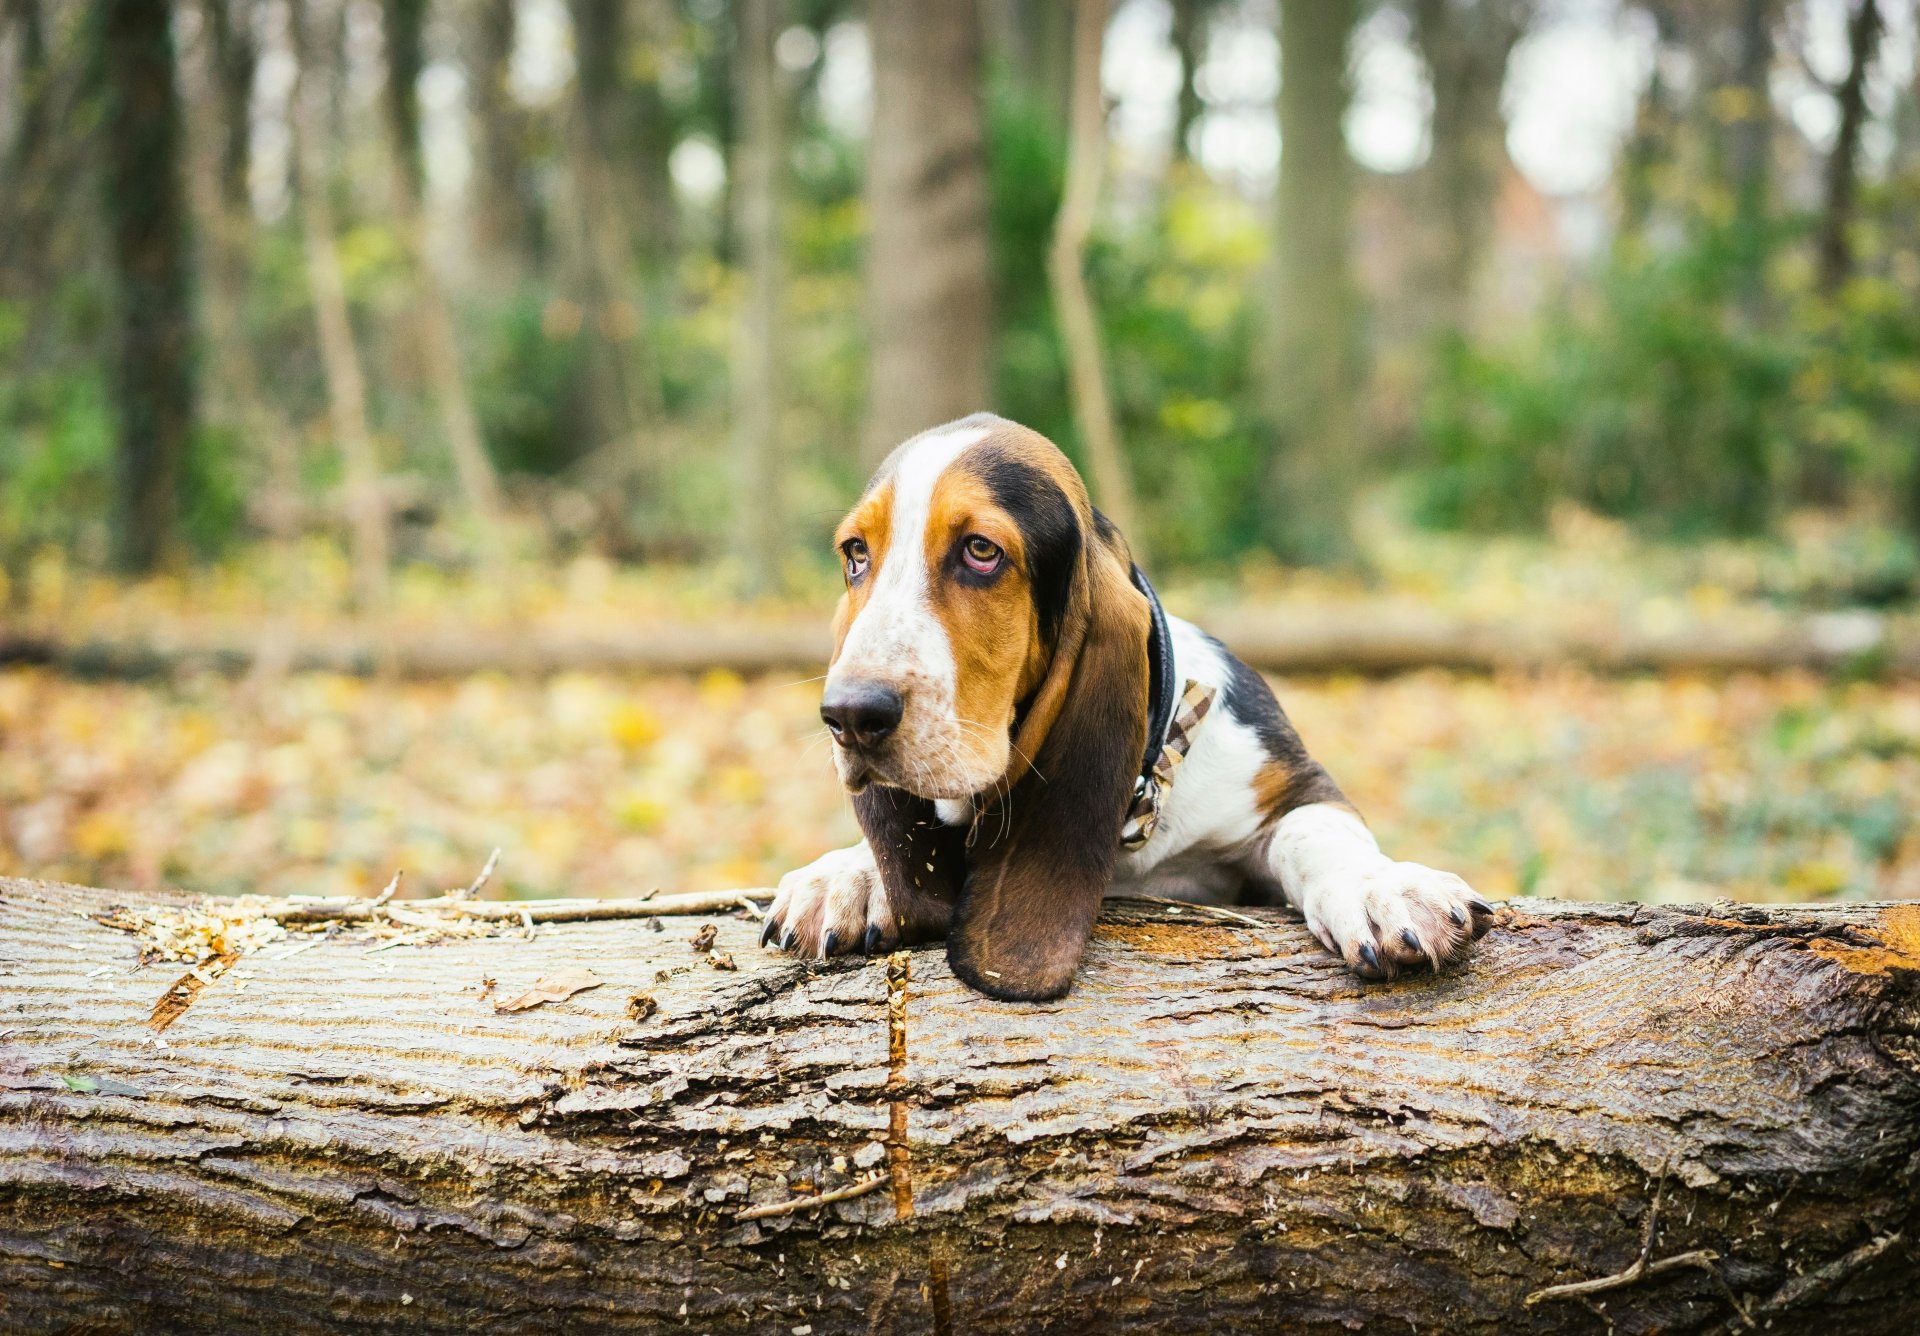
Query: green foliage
[1678, 399]
[1173, 295]
[523, 365]
[56, 466]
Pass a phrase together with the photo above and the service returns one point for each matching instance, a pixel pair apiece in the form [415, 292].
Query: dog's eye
[855, 553]
[982, 555]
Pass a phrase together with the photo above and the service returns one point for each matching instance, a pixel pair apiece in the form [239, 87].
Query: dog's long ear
[921, 863]
[1045, 854]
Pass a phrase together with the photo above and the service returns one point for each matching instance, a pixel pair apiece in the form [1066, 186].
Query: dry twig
[1702, 1259]
[1215, 910]
[859, 1189]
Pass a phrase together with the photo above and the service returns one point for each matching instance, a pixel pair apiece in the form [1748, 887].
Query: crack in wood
[899, 969]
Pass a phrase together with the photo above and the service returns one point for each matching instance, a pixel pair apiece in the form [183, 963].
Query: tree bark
[439, 341]
[1219, 1129]
[235, 58]
[617, 395]
[146, 219]
[758, 153]
[506, 211]
[339, 355]
[24, 204]
[223, 211]
[1313, 371]
[1835, 245]
[1465, 47]
[1650, 147]
[929, 279]
[1093, 415]
[1747, 106]
[1189, 38]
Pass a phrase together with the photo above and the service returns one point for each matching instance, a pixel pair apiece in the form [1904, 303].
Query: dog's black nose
[861, 714]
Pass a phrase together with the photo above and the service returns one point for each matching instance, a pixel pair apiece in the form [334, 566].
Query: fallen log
[1217, 1130]
[1367, 639]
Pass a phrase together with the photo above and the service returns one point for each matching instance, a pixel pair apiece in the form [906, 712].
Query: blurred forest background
[319, 315]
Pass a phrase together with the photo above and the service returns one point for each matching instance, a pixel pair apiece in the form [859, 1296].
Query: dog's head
[990, 651]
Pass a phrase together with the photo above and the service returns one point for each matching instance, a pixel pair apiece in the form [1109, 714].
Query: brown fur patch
[991, 627]
[872, 523]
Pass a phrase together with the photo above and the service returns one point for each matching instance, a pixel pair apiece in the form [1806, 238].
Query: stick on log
[1219, 1129]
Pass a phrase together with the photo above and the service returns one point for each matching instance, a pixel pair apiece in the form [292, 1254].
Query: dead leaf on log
[704, 938]
[552, 988]
[722, 960]
[640, 1006]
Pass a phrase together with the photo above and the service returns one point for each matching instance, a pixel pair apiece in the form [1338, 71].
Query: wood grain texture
[1217, 1130]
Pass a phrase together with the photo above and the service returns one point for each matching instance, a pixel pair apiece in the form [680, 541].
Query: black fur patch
[1252, 704]
[1046, 521]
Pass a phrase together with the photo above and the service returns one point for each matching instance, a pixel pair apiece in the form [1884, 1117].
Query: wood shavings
[197, 934]
[556, 987]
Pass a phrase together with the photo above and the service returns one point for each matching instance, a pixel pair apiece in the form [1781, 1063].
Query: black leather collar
[1160, 687]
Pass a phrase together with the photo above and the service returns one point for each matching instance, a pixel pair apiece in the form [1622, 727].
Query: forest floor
[1763, 787]
[1558, 782]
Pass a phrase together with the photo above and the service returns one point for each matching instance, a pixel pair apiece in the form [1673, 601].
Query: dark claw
[833, 940]
[1413, 943]
[1459, 919]
[872, 940]
[1369, 956]
[786, 943]
[766, 932]
[1480, 906]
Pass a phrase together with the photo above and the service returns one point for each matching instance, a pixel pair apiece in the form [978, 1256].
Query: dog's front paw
[1393, 916]
[833, 905]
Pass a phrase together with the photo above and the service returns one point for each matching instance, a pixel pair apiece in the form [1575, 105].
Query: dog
[1023, 729]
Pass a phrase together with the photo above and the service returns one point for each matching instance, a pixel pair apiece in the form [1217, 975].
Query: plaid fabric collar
[1150, 790]
[1169, 729]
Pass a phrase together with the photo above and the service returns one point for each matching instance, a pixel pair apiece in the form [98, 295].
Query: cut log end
[1218, 1129]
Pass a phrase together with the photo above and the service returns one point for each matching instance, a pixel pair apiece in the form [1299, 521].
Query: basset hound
[1023, 729]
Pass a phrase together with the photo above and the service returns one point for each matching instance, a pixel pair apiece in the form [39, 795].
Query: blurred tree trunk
[1747, 107]
[1313, 350]
[1843, 169]
[651, 139]
[1465, 46]
[1036, 37]
[146, 218]
[235, 56]
[316, 49]
[506, 211]
[616, 396]
[22, 203]
[1093, 414]
[757, 155]
[619, 46]
[929, 281]
[439, 341]
[1650, 146]
[223, 212]
[1189, 37]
